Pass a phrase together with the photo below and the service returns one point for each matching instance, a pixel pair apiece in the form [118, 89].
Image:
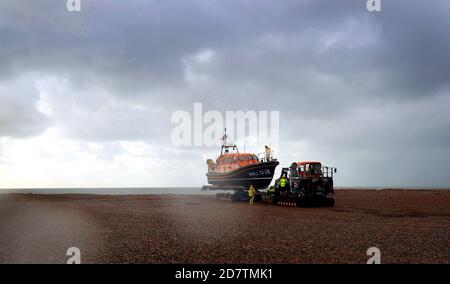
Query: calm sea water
[111, 191]
[145, 190]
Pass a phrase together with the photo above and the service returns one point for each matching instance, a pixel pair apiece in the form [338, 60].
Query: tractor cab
[310, 169]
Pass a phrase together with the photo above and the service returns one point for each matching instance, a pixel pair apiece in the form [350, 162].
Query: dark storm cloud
[132, 48]
[343, 78]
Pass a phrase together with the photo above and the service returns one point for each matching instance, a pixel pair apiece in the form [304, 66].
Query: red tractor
[304, 184]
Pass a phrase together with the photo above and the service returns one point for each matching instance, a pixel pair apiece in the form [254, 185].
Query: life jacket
[283, 182]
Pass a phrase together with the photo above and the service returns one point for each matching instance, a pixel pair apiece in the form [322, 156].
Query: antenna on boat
[225, 136]
[225, 144]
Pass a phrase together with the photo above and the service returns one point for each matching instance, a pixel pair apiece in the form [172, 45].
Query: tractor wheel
[330, 202]
[300, 202]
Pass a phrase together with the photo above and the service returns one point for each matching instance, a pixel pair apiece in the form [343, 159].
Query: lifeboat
[233, 169]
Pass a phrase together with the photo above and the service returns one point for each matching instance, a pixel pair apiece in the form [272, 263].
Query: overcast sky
[86, 98]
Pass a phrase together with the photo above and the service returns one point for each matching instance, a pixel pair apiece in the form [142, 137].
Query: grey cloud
[19, 116]
[136, 47]
[344, 79]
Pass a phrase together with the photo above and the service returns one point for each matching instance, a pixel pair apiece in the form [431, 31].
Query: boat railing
[266, 157]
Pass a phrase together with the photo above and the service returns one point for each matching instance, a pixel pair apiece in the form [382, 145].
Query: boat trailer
[240, 193]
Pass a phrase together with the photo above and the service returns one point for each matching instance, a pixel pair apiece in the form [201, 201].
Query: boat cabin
[230, 162]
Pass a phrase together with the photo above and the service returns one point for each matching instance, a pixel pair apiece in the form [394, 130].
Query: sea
[157, 190]
[110, 190]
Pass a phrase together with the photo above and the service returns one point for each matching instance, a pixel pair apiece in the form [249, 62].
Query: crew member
[251, 194]
[283, 182]
[268, 152]
[211, 165]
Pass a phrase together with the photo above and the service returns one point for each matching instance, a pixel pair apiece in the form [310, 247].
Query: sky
[86, 98]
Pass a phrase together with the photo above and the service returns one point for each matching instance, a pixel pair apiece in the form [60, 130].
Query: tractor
[305, 184]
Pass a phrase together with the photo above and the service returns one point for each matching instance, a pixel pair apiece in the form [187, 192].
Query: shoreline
[161, 191]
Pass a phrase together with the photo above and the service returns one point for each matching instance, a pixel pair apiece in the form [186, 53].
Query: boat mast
[226, 145]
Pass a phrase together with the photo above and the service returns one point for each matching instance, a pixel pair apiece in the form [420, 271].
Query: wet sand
[408, 226]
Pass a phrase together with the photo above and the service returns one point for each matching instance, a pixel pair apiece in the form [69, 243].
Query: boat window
[313, 169]
[246, 158]
[317, 168]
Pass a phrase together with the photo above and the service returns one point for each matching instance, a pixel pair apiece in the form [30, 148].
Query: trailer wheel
[275, 199]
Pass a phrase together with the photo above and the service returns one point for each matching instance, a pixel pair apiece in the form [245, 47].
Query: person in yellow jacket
[282, 185]
[251, 194]
[283, 182]
[211, 165]
[268, 152]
